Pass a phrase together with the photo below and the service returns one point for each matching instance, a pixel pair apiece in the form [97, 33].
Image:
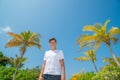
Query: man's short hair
[52, 39]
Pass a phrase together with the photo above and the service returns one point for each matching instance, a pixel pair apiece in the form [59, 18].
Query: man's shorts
[51, 77]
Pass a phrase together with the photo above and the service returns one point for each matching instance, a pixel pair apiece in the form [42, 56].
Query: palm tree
[111, 61]
[13, 62]
[4, 60]
[23, 40]
[99, 36]
[88, 55]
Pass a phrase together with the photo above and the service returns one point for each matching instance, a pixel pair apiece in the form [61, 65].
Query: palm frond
[86, 41]
[98, 26]
[16, 36]
[91, 54]
[114, 40]
[105, 25]
[90, 28]
[13, 43]
[111, 61]
[34, 37]
[87, 44]
[85, 38]
[26, 35]
[83, 58]
[14, 61]
[31, 44]
[97, 45]
[107, 59]
[39, 46]
[114, 31]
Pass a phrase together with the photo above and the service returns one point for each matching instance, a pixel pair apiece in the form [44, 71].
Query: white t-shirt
[52, 59]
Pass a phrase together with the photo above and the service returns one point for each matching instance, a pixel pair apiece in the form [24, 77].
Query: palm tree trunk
[113, 55]
[16, 70]
[95, 66]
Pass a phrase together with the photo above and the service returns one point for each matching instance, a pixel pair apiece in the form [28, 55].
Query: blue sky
[62, 19]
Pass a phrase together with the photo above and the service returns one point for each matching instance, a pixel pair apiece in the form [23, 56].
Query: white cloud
[5, 29]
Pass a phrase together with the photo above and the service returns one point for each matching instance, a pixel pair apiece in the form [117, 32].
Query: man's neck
[53, 49]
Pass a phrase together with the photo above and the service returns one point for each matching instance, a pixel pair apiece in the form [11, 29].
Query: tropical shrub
[83, 76]
[6, 73]
[108, 73]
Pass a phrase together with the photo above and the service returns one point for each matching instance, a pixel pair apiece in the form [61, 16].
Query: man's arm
[42, 70]
[63, 77]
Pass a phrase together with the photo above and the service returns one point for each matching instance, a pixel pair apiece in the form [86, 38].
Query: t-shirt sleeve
[61, 56]
[45, 56]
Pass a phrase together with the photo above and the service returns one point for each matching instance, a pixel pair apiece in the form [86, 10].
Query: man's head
[53, 42]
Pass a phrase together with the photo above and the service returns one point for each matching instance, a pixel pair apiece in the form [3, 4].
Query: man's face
[53, 44]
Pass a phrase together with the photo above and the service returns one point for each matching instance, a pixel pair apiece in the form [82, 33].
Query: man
[53, 63]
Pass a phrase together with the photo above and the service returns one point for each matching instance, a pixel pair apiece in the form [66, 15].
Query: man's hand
[63, 78]
[40, 78]
[42, 70]
[63, 69]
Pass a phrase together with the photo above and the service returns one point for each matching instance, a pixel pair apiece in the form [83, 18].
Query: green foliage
[111, 61]
[108, 73]
[13, 62]
[83, 76]
[88, 76]
[4, 60]
[6, 73]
